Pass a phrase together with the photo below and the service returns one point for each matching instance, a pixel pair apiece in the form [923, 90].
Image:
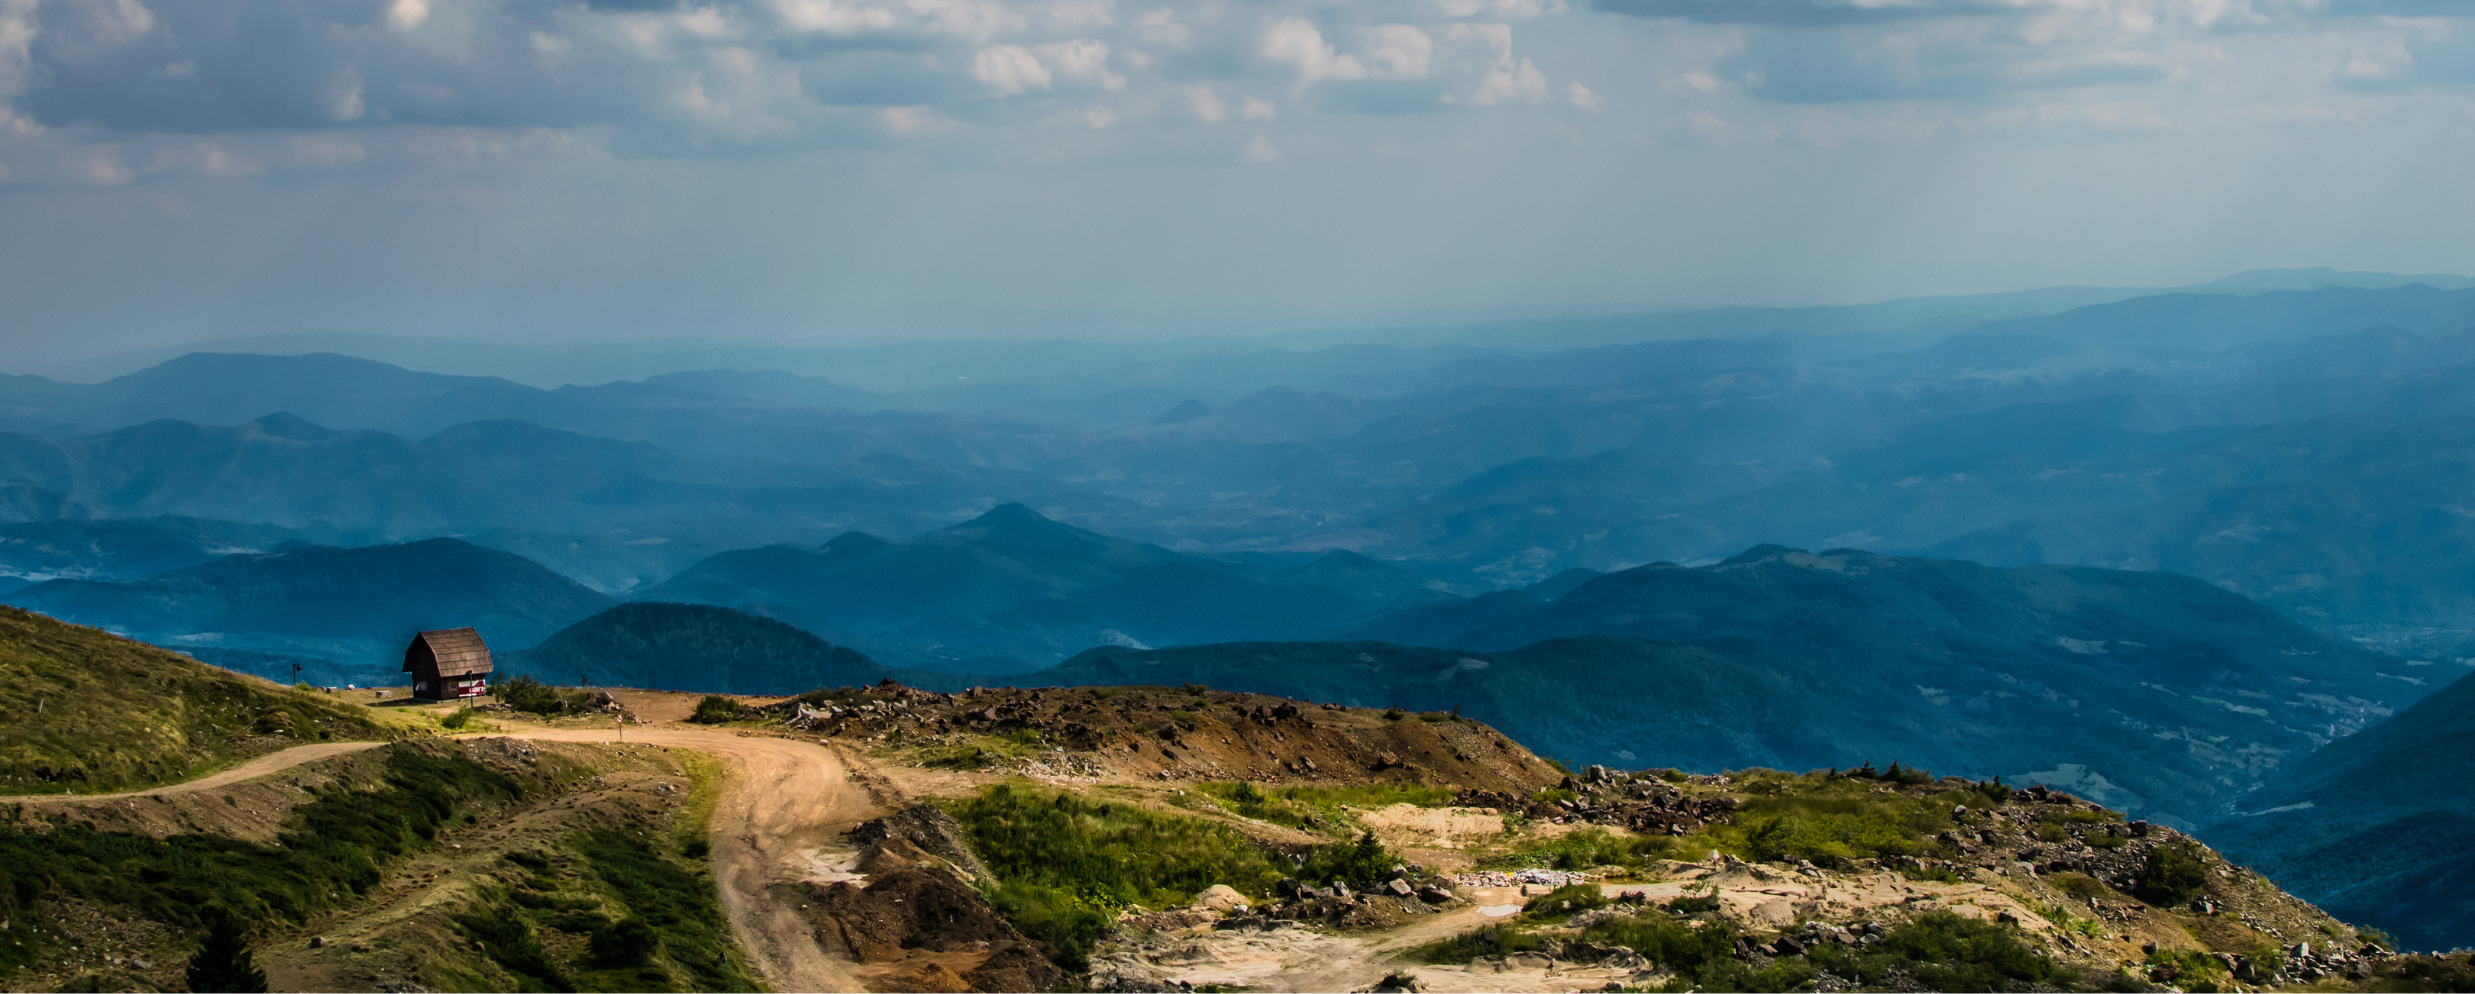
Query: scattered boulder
[1221, 897]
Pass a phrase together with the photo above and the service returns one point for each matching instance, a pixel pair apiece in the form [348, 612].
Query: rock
[1432, 894]
[1398, 983]
[1400, 888]
[318, 942]
[1220, 897]
[1787, 946]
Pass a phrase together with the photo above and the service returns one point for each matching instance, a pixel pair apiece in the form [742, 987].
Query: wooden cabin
[448, 664]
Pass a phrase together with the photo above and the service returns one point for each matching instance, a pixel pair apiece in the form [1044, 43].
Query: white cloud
[121, 21]
[1010, 69]
[1161, 27]
[405, 15]
[1510, 83]
[1083, 60]
[1099, 117]
[1259, 149]
[1297, 42]
[833, 18]
[1398, 51]
[344, 101]
[1255, 110]
[1580, 96]
[101, 167]
[1205, 104]
[703, 22]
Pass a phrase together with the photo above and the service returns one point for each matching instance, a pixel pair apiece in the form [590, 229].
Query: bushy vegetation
[1937, 950]
[1570, 899]
[333, 848]
[1363, 864]
[649, 919]
[715, 710]
[1065, 865]
[1833, 820]
[460, 719]
[1586, 849]
[535, 697]
[2175, 874]
[1311, 806]
[1490, 941]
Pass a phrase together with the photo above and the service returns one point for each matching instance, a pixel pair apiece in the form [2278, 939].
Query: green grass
[1065, 864]
[1491, 941]
[1312, 807]
[1937, 950]
[333, 848]
[88, 712]
[1564, 902]
[1585, 849]
[1830, 820]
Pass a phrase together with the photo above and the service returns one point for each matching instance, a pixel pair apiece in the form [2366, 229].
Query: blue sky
[765, 169]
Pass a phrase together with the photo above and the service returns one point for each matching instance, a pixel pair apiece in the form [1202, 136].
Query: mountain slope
[350, 611]
[87, 711]
[1012, 590]
[694, 647]
[2151, 691]
[2379, 826]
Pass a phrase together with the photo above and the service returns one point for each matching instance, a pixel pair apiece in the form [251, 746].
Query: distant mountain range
[345, 615]
[2379, 828]
[1012, 591]
[2151, 692]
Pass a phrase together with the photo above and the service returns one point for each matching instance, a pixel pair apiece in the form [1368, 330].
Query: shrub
[715, 710]
[1364, 864]
[2080, 885]
[223, 961]
[1065, 865]
[535, 697]
[1588, 848]
[2174, 874]
[1493, 940]
[462, 717]
[1566, 900]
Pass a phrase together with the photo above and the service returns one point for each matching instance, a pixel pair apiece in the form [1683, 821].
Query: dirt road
[782, 810]
[270, 763]
[781, 814]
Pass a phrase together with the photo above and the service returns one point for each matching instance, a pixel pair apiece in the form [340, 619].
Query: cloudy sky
[563, 170]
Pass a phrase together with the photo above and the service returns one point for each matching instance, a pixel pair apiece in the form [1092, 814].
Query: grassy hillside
[693, 647]
[90, 712]
[346, 612]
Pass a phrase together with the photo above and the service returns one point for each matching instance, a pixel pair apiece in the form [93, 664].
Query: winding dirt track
[783, 804]
[251, 770]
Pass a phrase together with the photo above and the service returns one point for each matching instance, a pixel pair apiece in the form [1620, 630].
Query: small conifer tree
[223, 962]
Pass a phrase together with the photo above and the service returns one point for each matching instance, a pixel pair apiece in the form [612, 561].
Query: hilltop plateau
[1104, 838]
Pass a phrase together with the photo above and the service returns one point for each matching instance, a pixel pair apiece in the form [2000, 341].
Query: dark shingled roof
[458, 650]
